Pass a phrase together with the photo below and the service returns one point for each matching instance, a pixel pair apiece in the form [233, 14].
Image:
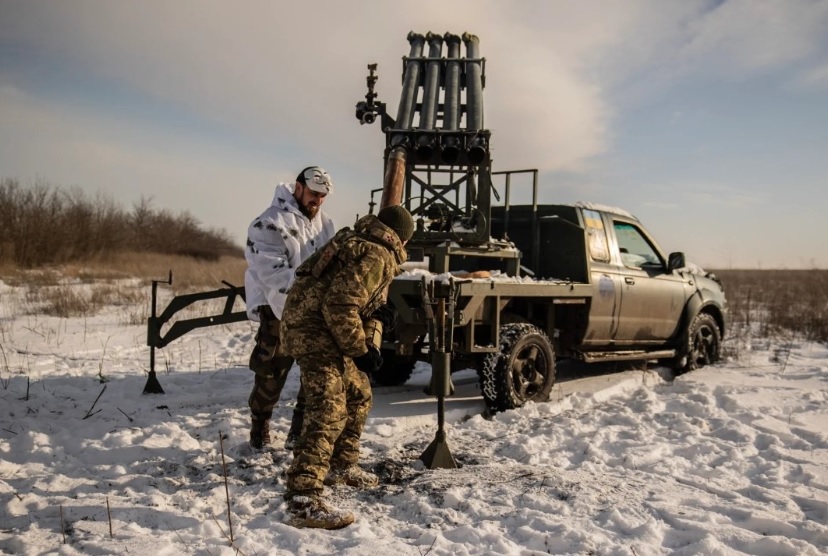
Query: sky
[706, 119]
[729, 460]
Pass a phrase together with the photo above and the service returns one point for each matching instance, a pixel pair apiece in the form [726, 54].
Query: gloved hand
[387, 315]
[369, 362]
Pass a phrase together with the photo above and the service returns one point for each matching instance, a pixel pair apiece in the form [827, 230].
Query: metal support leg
[153, 386]
[437, 454]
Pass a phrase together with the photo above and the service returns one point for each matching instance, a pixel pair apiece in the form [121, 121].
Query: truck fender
[700, 300]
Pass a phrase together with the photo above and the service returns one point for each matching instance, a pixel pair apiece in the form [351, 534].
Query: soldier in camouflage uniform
[278, 240]
[336, 290]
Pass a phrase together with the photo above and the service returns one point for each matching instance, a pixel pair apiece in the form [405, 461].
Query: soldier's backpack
[330, 250]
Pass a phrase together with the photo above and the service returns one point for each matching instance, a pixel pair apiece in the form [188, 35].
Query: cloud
[268, 69]
[724, 195]
[815, 77]
[746, 36]
[220, 187]
[661, 205]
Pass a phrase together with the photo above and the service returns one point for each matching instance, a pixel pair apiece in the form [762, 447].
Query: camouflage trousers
[271, 366]
[338, 399]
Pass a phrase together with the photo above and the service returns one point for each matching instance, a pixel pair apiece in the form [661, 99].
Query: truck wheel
[704, 344]
[523, 370]
[395, 370]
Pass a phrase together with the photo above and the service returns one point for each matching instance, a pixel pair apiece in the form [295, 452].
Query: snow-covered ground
[731, 459]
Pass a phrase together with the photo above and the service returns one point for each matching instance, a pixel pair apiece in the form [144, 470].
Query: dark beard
[309, 211]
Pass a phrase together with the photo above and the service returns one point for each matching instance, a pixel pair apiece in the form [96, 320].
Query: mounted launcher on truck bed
[580, 281]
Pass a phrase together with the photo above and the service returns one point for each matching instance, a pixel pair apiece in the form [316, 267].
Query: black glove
[369, 362]
[387, 315]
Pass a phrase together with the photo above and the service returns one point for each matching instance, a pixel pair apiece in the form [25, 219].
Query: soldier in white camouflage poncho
[335, 291]
[278, 240]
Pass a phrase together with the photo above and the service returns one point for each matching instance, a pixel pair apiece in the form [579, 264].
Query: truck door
[605, 281]
[652, 299]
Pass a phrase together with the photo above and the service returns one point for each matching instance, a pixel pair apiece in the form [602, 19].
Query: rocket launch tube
[451, 112]
[431, 90]
[411, 82]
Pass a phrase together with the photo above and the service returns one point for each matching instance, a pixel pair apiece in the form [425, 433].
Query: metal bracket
[179, 328]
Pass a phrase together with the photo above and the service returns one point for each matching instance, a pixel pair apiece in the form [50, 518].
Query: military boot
[260, 433]
[294, 432]
[311, 511]
[351, 475]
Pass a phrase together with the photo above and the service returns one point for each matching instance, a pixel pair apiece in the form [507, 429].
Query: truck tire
[523, 371]
[704, 344]
[395, 370]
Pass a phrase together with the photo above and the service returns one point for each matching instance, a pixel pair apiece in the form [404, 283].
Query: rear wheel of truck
[396, 369]
[523, 371]
[704, 344]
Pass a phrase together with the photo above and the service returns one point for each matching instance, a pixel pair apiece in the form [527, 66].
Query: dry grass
[122, 279]
[189, 274]
[59, 301]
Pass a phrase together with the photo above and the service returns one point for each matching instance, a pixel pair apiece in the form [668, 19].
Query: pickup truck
[591, 284]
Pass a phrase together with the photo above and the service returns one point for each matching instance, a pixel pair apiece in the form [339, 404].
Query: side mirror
[675, 261]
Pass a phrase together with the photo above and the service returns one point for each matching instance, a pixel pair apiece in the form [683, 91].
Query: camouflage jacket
[338, 287]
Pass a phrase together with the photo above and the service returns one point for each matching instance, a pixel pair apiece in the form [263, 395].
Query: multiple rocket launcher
[439, 120]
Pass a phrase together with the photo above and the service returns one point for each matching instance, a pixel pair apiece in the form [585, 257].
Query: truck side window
[596, 236]
[636, 251]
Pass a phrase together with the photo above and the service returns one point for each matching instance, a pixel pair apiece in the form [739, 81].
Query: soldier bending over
[336, 291]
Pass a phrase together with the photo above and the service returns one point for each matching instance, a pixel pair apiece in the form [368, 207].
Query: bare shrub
[163, 232]
[42, 224]
[772, 303]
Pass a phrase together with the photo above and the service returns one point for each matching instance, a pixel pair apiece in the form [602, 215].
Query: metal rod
[506, 207]
[440, 340]
[154, 315]
[535, 227]
[441, 416]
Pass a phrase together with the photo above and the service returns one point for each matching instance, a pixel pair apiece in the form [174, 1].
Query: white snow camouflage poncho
[278, 241]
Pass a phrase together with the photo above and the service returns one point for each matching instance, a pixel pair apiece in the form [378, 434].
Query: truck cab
[640, 295]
